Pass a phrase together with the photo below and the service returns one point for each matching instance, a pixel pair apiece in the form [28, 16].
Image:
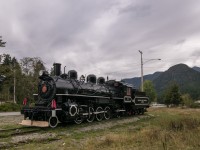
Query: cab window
[128, 92]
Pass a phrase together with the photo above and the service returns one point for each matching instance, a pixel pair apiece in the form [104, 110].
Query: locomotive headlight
[41, 72]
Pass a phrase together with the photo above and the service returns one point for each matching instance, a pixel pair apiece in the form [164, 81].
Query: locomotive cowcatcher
[63, 98]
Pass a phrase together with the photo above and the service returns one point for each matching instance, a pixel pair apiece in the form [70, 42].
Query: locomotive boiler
[63, 98]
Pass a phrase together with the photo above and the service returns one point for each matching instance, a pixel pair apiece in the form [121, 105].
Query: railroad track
[4, 133]
[18, 136]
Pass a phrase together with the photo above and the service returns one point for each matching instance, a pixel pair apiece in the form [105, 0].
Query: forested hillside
[136, 81]
[187, 79]
[196, 68]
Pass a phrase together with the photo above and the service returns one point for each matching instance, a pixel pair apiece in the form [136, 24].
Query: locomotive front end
[43, 114]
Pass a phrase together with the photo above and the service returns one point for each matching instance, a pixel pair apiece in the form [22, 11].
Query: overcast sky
[103, 37]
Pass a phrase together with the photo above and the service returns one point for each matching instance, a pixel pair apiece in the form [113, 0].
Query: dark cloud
[103, 37]
[181, 41]
[196, 52]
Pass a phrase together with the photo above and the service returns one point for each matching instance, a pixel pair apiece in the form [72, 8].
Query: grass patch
[6, 107]
[183, 124]
[170, 128]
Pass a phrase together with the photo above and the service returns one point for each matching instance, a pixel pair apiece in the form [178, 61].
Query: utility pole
[142, 64]
[142, 80]
[2, 44]
[14, 83]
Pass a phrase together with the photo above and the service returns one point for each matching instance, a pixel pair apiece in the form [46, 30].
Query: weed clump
[183, 124]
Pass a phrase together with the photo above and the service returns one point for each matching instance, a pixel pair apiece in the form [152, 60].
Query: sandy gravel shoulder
[9, 120]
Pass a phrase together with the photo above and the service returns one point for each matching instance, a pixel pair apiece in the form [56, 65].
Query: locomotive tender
[64, 98]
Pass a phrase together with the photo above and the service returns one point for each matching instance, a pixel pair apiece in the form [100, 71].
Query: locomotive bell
[57, 70]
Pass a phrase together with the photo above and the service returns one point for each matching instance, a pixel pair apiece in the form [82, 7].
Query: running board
[100, 112]
[35, 123]
[120, 110]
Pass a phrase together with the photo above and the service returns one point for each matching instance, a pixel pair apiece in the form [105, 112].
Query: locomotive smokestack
[57, 70]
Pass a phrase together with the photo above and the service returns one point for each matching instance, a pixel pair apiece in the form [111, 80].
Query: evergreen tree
[172, 95]
[2, 44]
[9, 68]
[7, 59]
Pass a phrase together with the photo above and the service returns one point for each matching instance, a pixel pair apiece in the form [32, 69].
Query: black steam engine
[64, 98]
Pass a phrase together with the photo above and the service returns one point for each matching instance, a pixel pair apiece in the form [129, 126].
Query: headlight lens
[41, 72]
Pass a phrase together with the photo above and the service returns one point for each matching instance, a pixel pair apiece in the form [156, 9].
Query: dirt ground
[76, 136]
[6, 121]
[15, 120]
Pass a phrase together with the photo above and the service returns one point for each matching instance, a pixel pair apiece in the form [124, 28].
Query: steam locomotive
[63, 98]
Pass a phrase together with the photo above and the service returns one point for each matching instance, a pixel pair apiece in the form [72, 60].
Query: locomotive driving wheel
[107, 113]
[99, 113]
[91, 115]
[78, 120]
[53, 121]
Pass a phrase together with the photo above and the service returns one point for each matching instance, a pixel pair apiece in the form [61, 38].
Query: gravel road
[10, 113]
[10, 119]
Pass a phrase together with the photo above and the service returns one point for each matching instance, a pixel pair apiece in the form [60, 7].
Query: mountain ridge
[186, 77]
[196, 68]
[136, 81]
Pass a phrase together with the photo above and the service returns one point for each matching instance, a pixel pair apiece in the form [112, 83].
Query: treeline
[171, 95]
[25, 72]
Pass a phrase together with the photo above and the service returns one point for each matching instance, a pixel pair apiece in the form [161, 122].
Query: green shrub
[6, 107]
[194, 105]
